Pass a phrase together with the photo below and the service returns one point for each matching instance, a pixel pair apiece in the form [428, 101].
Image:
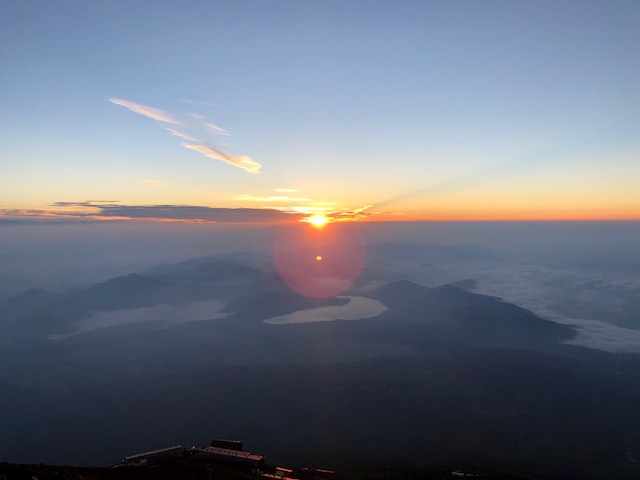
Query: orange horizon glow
[377, 218]
[389, 217]
[321, 220]
[317, 220]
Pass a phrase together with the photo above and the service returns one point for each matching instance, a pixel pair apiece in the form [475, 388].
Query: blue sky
[434, 109]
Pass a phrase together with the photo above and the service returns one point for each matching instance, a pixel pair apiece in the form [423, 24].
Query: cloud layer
[91, 211]
[188, 212]
[537, 288]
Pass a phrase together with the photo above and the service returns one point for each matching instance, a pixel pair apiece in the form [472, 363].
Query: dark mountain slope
[451, 316]
[213, 273]
[120, 293]
[128, 291]
[251, 260]
[270, 297]
[25, 304]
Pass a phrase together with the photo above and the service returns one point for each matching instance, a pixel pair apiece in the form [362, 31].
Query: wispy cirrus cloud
[150, 112]
[244, 162]
[184, 136]
[215, 129]
[191, 122]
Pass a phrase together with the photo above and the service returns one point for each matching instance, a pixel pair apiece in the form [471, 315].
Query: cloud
[25, 212]
[272, 198]
[155, 183]
[215, 129]
[70, 211]
[243, 162]
[536, 288]
[66, 215]
[188, 212]
[195, 121]
[206, 104]
[308, 209]
[86, 203]
[73, 204]
[154, 113]
[349, 214]
[184, 136]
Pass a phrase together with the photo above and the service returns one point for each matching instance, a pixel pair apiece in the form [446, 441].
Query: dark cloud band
[91, 211]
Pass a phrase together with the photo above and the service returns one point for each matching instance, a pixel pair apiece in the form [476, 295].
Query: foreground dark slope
[443, 377]
[509, 410]
[200, 468]
[183, 469]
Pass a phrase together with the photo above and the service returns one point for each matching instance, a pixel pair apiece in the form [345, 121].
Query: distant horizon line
[94, 221]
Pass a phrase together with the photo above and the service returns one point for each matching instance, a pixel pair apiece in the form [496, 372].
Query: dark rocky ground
[197, 469]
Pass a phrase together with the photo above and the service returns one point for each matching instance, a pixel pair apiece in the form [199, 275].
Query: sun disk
[318, 221]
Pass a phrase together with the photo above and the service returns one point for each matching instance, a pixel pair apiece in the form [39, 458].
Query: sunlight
[318, 221]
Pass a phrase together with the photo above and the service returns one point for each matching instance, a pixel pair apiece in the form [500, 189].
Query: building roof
[153, 452]
[232, 453]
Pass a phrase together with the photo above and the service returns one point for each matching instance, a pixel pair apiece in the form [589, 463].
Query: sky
[271, 111]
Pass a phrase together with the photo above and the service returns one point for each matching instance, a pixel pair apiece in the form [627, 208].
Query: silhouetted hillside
[213, 273]
[250, 260]
[453, 316]
[25, 304]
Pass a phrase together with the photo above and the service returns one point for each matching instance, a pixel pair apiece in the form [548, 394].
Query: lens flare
[319, 263]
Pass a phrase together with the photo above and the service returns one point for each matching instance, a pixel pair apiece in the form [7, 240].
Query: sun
[318, 221]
